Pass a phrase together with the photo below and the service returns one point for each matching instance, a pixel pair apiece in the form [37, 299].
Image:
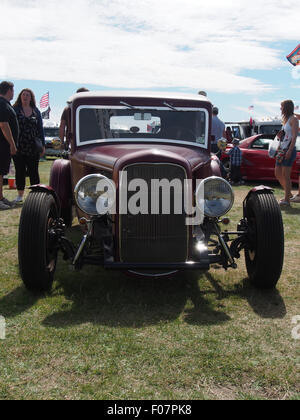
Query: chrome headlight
[95, 194]
[214, 196]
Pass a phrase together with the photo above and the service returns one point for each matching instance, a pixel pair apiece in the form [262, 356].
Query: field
[102, 335]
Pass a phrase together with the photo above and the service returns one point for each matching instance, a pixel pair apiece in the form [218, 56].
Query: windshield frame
[142, 140]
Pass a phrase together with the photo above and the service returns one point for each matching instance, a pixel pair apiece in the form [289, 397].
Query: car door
[256, 161]
[296, 166]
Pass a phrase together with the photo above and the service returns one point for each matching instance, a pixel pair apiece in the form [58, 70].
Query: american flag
[251, 107]
[297, 107]
[44, 102]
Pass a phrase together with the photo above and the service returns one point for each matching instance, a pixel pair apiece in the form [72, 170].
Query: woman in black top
[31, 128]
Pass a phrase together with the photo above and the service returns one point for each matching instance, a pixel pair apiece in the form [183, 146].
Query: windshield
[96, 124]
[51, 131]
[269, 129]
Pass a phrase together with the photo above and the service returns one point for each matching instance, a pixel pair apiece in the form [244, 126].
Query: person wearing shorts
[283, 166]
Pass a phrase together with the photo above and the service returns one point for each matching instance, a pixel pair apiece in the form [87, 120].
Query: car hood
[119, 155]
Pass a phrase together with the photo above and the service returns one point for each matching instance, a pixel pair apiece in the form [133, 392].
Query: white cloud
[146, 43]
[2, 65]
[271, 108]
[263, 109]
[256, 113]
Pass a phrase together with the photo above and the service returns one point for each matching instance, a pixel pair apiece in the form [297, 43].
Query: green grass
[103, 335]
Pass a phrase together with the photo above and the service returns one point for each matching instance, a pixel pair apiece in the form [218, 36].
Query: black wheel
[37, 245]
[265, 248]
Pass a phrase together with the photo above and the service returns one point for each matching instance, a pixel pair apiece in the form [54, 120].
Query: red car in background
[256, 164]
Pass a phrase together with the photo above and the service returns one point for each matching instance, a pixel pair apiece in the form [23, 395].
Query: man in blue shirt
[217, 130]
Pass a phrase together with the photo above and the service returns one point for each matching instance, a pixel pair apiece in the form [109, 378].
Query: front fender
[210, 167]
[215, 166]
[48, 189]
[60, 181]
[256, 190]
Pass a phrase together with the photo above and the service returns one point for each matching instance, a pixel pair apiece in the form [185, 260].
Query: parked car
[52, 141]
[148, 195]
[244, 129]
[256, 164]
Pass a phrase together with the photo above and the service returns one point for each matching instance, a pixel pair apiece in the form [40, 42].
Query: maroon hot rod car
[148, 195]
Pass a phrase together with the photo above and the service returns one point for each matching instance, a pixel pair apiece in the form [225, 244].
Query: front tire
[264, 251]
[37, 247]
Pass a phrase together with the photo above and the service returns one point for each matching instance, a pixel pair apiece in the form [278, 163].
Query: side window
[261, 144]
[236, 132]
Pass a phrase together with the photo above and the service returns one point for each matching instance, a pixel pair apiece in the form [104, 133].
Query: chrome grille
[154, 238]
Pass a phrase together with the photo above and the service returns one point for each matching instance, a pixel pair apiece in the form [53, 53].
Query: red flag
[44, 102]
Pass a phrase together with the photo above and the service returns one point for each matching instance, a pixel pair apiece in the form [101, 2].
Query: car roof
[139, 94]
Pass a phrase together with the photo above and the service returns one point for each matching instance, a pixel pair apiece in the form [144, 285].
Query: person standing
[228, 133]
[283, 166]
[9, 131]
[296, 197]
[217, 130]
[31, 130]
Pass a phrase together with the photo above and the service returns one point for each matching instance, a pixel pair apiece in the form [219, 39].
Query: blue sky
[235, 51]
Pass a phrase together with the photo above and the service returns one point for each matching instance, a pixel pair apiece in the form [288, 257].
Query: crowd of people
[22, 139]
[220, 134]
[285, 157]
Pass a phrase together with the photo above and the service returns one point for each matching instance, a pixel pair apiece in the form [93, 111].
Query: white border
[141, 140]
